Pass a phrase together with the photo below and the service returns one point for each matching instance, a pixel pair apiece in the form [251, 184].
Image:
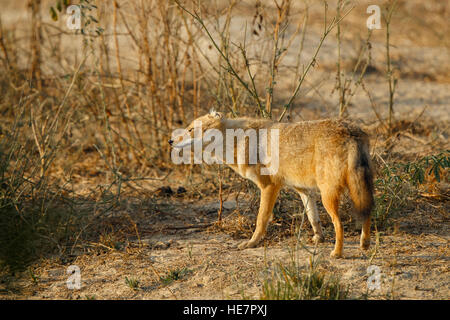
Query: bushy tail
[360, 178]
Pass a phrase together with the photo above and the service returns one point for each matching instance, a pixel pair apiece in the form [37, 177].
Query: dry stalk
[392, 81]
[250, 88]
[119, 70]
[327, 29]
[36, 41]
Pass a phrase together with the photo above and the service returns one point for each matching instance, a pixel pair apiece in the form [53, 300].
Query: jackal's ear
[215, 114]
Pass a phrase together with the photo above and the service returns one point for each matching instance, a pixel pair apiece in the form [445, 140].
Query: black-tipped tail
[360, 178]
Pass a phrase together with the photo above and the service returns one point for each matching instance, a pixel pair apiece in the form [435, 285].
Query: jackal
[323, 155]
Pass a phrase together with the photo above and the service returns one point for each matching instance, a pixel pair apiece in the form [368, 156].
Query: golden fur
[328, 155]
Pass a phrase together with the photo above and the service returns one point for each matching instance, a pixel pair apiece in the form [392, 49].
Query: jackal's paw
[243, 245]
[318, 238]
[365, 244]
[335, 254]
[247, 244]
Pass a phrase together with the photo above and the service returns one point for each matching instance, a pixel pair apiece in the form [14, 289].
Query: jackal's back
[314, 152]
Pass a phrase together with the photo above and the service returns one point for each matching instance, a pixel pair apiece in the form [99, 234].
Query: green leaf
[436, 173]
[53, 14]
[93, 19]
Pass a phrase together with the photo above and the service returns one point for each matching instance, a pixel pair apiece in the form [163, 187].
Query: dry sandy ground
[413, 261]
[413, 258]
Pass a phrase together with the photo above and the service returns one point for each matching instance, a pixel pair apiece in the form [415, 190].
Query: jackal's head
[184, 137]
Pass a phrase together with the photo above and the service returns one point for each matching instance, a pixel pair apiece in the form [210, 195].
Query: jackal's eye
[190, 130]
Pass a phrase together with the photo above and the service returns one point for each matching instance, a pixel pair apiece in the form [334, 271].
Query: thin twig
[312, 62]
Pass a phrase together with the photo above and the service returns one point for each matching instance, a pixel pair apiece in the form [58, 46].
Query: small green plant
[292, 282]
[133, 283]
[393, 191]
[173, 275]
[35, 278]
[429, 165]
[398, 181]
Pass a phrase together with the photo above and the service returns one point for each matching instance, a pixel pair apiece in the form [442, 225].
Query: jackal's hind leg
[330, 200]
[365, 235]
[269, 195]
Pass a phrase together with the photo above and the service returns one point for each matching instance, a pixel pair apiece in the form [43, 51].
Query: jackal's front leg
[269, 195]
